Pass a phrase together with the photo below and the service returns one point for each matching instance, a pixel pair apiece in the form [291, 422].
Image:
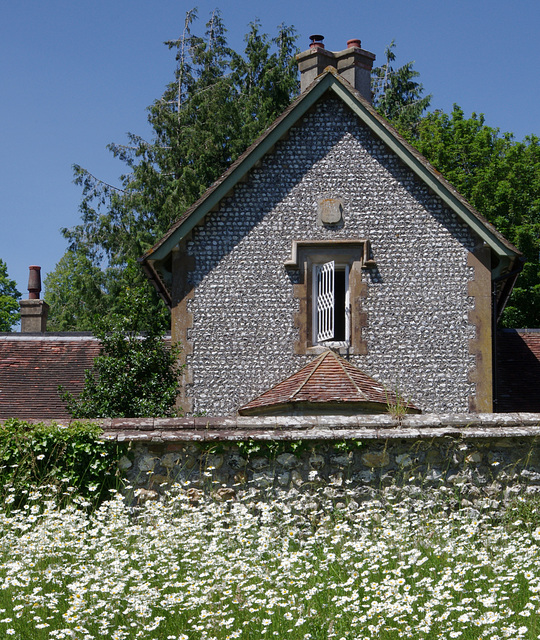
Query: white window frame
[319, 310]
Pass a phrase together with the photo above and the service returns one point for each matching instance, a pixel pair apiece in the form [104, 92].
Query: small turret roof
[328, 380]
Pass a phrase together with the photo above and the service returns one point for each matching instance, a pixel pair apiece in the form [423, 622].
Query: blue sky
[79, 74]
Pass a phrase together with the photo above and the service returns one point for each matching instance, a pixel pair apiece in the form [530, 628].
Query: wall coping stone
[316, 427]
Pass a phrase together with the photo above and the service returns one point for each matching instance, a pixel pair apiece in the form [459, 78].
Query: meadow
[267, 565]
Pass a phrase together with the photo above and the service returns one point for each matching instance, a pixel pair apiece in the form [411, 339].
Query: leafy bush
[136, 374]
[69, 457]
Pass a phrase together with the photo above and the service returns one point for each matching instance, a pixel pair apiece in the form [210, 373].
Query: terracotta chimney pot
[34, 282]
[316, 42]
[34, 311]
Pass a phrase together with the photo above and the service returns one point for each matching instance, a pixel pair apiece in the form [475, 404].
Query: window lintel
[357, 248]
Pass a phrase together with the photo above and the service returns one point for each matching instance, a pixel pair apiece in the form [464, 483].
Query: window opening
[339, 305]
[331, 309]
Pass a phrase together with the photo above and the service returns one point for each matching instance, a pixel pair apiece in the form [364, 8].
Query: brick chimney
[34, 311]
[353, 63]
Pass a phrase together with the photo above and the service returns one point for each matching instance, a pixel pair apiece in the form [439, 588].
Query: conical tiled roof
[321, 385]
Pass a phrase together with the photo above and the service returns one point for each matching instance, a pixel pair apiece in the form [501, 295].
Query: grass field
[265, 566]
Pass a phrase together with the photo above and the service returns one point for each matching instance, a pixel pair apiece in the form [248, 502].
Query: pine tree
[397, 95]
[217, 103]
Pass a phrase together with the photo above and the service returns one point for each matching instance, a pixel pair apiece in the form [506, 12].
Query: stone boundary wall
[471, 457]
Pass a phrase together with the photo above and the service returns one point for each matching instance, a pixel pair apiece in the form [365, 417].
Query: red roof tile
[32, 367]
[326, 381]
[518, 370]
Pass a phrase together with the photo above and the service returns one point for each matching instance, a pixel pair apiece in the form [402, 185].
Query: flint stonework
[240, 334]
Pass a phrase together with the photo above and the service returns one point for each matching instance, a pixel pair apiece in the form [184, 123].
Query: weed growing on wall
[67, 457]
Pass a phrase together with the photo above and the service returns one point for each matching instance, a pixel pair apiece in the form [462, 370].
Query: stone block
[376, 459]
[169, 460]
[287, 460]
[404, 460]
[259, 463]
[124, 463]
[284, 478]
[341, 460]
[214, 462]
[316, 461]
[147, 463]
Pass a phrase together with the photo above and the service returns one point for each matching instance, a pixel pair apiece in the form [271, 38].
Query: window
[331, 304]
[330, 291]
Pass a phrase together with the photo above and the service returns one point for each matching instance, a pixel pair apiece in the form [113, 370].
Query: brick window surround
[307, 253]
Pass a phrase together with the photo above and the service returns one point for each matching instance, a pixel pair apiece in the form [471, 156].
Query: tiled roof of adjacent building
[518, 370]
[329, 382]
[33, 365]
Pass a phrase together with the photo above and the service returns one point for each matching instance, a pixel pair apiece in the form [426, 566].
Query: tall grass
[268, 565]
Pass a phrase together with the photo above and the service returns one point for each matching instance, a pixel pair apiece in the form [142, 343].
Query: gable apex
[156, 261]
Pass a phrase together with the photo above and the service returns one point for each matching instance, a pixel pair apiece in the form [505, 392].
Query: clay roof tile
[329, 378]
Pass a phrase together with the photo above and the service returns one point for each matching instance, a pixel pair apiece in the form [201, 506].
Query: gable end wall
[237, 308]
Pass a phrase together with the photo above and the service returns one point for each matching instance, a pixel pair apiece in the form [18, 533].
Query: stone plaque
[330, 211]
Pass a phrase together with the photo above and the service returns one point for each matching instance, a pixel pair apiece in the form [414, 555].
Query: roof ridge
[341, 362]
[308, 378]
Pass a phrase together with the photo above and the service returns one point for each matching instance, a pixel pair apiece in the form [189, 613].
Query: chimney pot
[316, 42]
[34, 311]
[353, 64]
[34, 282]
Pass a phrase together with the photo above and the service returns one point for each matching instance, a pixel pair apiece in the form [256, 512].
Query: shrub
[69, 457]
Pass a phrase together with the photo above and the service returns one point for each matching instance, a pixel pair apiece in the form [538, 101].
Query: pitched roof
[327, 381]
[33, 365]
[155, 261]
[518, 370]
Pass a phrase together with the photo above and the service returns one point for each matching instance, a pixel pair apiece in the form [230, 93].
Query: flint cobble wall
[243, 334]
[488, 456]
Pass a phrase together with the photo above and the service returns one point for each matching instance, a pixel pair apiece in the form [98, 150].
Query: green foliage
[397, 95]
[265, 81]
[501, 178]
[68, 457]
[271, 448]
[80, 294]
[136, 374]
[349, 445]
[217, 103]
[9, 296]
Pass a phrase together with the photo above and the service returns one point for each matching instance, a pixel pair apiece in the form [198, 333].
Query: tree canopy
[217, 103]
[9, 296]
[136, 373]
[501, 178]
[396, 93]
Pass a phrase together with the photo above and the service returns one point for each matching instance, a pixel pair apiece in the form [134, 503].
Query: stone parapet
[472, 458]
[322, 427]
[372, 427]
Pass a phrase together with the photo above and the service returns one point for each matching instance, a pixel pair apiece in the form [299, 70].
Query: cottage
[332, 233]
